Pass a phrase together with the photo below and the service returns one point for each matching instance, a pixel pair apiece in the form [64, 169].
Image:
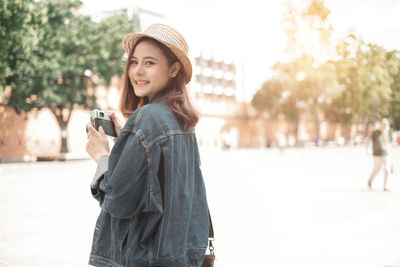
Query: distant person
[380, 152]
[281, 138]
[150, 187]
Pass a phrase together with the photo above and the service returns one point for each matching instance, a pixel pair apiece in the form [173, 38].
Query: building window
[198, 78]
[198, 61]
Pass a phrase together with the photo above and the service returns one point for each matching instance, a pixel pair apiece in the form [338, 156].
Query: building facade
[214, 89]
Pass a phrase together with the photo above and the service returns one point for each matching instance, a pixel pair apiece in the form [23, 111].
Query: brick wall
[12, 134]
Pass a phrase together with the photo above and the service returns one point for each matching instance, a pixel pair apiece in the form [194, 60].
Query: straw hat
[167, 36]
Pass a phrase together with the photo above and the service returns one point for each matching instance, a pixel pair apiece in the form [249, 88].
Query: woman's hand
[97, 144]
[118, 123]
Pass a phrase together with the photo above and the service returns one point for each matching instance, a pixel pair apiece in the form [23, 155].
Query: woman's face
[149, 71]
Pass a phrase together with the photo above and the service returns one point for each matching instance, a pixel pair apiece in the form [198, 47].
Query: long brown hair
[176, 94]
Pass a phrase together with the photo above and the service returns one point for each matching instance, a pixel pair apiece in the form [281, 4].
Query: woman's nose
[138, 70]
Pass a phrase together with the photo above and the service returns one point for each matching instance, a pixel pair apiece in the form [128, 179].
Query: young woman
[152, 196]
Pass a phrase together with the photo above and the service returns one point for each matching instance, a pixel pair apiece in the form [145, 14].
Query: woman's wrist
[97, 158]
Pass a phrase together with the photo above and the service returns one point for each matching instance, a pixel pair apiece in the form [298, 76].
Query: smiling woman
[151, 68]
[150, 188]
[158, 66]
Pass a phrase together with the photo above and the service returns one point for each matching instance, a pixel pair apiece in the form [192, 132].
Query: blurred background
[288, 90]
[289, 73]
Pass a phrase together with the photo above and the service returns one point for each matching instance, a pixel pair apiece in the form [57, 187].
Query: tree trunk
[317, 131]
[346, 132]
[64, 141]
[366, 127]
[62, 115]
[296, 134]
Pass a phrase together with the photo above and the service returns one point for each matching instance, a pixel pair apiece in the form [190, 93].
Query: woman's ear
[175, 68]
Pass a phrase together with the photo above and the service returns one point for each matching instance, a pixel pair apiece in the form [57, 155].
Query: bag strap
[211, 229]
[211, 236]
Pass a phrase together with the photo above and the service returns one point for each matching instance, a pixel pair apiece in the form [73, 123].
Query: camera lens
[101, 114]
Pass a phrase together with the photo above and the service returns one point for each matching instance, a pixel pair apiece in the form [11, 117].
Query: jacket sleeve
[121, 187]
[102, 167]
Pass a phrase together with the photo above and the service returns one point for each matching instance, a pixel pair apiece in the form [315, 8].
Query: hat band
[162, 36]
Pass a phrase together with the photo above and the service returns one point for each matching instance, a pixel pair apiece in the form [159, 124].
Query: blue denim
[152, 196]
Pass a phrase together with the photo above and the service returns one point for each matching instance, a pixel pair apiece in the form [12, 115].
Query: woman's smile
[140, 83]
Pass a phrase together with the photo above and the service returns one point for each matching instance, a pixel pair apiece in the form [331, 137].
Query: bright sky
[250, 32]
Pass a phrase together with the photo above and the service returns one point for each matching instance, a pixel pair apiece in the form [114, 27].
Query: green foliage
[62, 56]
[269, 97]
[110, 59]
[298, 86]
[365, 80]
[18, 38]
[359, 84]
[393, 63]
[50, 55]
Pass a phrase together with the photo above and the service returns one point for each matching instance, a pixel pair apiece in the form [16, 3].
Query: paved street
[305, 207]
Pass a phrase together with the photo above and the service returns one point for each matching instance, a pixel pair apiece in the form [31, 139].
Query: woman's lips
[141, 82]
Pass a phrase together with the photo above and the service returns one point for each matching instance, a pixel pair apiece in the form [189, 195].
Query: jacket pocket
[124, 238]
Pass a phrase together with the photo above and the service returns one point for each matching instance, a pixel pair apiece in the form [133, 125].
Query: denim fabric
[153, 201]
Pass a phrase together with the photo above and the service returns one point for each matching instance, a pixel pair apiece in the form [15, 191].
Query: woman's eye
[133, 61]
[149, 63]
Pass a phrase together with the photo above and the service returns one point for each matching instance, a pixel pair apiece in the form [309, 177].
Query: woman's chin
[140, 94]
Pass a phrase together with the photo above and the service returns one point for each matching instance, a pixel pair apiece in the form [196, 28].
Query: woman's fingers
[117, 122]
[101, 131]
[90, 129]
[114, 118]
[97, 144]
[92, 132]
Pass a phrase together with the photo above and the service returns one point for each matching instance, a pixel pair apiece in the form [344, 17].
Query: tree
[113, 29]
[365, 80]
[70, 52]
[352, 83]
[72, 49]
[304, 83]
[269, 97]
[308, 31]
[19, 23]
[393, 63]
[63, 61]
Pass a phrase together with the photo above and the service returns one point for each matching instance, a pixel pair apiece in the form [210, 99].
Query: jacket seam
[110, 196]
[177, 257]
[149, 176]
[125, 235]
[159, 138]
[165, 135]
[161, 227]
[137, 120]
[161, 232]
[105, 260]
[155, 202]
[133, 242]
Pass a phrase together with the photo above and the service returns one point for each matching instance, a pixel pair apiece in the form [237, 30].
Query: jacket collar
[158, 98]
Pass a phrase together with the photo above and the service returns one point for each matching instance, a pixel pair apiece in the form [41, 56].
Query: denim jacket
[152, 196]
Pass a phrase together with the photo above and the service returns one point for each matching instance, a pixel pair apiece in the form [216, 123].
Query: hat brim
[131, 39]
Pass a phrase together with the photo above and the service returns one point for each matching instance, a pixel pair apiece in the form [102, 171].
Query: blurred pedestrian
[150, 187]
[281, 138]
[380, 151]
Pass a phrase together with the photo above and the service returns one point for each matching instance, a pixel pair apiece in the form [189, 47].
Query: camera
[100, 118]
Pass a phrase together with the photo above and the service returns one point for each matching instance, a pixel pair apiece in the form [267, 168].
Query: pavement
[302, 207]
